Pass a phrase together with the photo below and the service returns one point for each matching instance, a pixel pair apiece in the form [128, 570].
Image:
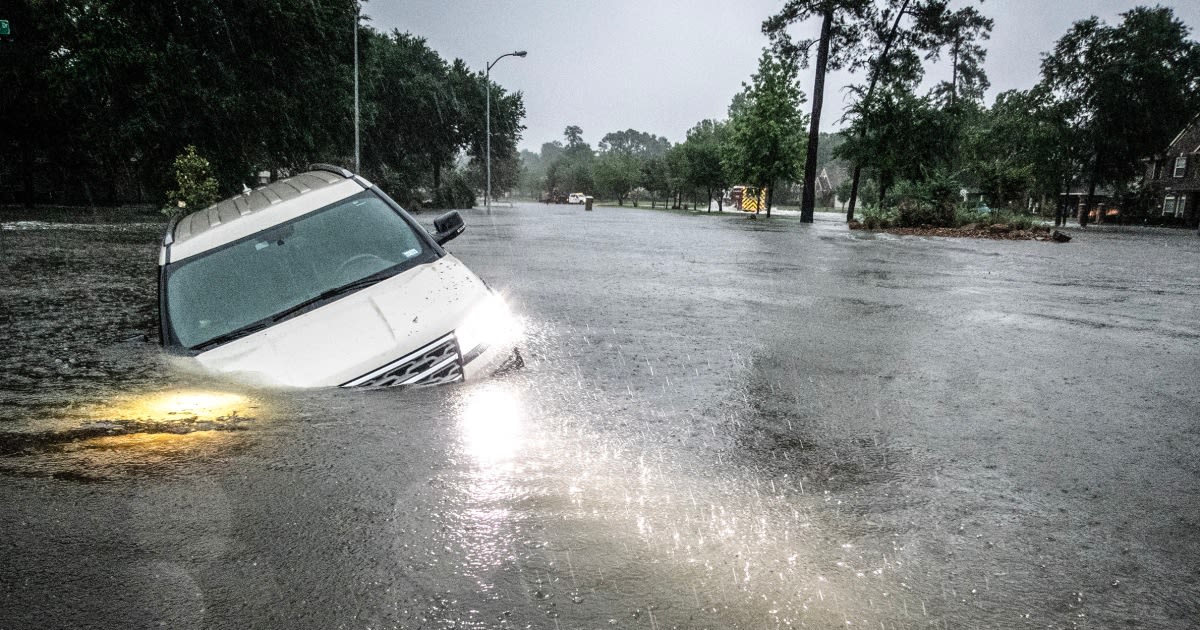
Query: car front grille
[435, 364]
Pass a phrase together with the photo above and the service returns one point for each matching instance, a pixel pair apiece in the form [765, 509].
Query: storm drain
[435, 364]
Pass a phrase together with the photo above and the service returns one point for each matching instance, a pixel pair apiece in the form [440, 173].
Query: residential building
[1176, 175]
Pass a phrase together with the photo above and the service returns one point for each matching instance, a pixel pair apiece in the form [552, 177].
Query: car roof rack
[331, 169]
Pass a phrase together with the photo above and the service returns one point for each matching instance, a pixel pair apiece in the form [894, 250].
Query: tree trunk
[1087, 203]
[27, 172]
[954, 74]
[808, 197]
[853, 193]
[770, 197]
[708, 196]
[883, 55]
[437, 177]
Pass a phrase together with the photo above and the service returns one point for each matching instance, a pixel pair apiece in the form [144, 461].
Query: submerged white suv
[322, 280]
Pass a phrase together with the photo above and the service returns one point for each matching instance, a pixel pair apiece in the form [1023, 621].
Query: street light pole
[357, 11]
[487, 82]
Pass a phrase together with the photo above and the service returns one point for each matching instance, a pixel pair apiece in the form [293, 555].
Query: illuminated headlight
[490, 324]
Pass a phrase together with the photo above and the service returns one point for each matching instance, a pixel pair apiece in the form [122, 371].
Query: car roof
[255, 210]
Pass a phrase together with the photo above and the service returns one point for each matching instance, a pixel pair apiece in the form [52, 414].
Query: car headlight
[490, 324]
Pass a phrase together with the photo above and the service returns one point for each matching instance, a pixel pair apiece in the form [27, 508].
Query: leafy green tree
[766, 136]
[655, 178]
[1022, 146]
[678, 174]
[1130, 88]
[102, 95]
[618, 167]
[615, 174]
[635, 143]
[572, 170]
[898, 135]
[705, 144]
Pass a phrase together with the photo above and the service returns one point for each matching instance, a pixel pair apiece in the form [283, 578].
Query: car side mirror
[448, 226]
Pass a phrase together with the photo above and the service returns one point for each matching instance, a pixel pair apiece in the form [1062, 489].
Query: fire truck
[747, 198]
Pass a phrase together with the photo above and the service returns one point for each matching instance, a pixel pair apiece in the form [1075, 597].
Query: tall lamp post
[487, 80]
[357, 12]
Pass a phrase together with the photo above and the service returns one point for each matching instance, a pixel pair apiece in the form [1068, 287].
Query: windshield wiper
[330, 294]
[230, 336]
[261, 324]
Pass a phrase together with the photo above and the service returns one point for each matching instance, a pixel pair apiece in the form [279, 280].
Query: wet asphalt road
[723, 423]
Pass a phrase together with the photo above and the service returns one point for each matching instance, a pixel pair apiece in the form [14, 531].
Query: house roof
[1182, 132]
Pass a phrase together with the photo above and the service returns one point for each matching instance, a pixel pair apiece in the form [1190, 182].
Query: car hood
[344, 339]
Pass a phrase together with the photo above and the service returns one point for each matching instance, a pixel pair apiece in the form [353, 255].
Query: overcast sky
[662, 65]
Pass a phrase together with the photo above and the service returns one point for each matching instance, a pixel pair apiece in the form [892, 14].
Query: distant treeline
[100, 96]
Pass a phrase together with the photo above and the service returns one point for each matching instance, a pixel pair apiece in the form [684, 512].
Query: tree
[838, 46]
[618, 167]
[1021, 146]
[705, 144]
[960, 32]
[899, 135]
[654, 178]
[572, 170]
[105, 93]
[1130, 88]
[634, 142]
[766, 137]
[898, 36]
[616, 174]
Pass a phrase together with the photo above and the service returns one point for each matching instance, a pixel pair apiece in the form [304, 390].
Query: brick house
[1177, 174]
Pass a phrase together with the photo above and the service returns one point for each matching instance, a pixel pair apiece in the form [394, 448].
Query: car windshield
[249, 283]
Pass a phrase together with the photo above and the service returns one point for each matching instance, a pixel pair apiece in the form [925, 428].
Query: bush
[456, 192]
[1014, 220]
[931, 201]
[196, 187]
[968, 213]
[875, 218]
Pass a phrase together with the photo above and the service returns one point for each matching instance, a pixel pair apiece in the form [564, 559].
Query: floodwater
[722, 423]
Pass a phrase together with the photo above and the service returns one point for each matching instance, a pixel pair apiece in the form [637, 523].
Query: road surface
[723, 423]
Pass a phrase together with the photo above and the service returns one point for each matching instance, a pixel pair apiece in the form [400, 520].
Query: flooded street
[722, 423]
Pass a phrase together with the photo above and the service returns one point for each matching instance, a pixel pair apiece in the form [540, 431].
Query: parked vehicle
[554, 197]
[322, 280]
[576, 197]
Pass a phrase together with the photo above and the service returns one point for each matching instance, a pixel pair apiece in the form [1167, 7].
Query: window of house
[1180, 165]
[1169, 205]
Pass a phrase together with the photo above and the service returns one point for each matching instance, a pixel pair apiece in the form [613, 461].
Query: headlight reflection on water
[491, 423]
[193, 405]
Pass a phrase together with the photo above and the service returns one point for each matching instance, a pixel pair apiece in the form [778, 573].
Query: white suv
[576, 198]
[322, 280]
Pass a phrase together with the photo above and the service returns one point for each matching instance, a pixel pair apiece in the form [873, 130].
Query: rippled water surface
[721, 424]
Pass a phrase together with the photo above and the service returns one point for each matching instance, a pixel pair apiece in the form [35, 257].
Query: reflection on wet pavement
[740, 426]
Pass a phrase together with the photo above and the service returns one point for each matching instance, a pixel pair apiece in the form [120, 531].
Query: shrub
[968, 213]
[875, 218]
[930, 201]
[455, 192]
[196, 187]
[1013, 220]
